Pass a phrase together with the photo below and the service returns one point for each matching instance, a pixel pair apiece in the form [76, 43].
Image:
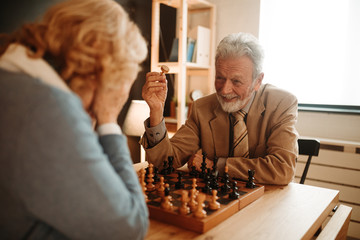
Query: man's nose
[227, 88]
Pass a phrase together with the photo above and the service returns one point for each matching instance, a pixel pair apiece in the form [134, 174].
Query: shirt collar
[247, 107]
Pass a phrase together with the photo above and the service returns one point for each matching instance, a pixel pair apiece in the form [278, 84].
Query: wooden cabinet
[186, 16]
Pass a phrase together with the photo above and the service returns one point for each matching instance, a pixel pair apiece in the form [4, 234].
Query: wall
[244, 16]
[332, 169]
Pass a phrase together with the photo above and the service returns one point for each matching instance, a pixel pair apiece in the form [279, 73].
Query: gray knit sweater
[58, 179]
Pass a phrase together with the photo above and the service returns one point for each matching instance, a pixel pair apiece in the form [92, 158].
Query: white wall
[244, 16]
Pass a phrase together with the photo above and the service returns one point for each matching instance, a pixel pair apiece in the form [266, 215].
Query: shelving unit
[182, 68]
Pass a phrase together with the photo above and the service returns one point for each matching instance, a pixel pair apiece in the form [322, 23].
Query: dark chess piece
[250, 183]
[207, 188]
[235, 191]
[226, 187]
[203, 167]
[170, 168]
[214, 169]
[179, 184]
[193, 172]
[166, 190]
[156, 176]
[164, 170]
[214, 183]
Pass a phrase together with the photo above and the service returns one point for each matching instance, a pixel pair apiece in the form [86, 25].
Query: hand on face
[104, 98]
[154, 93]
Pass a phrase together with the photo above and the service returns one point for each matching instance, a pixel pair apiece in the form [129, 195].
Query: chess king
[245, 125]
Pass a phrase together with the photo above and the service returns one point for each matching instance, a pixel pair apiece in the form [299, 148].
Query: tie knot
[239, 115]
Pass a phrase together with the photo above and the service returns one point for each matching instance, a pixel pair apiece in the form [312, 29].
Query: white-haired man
[269, 115]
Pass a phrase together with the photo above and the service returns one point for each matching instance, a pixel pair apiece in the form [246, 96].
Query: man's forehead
[234, 64]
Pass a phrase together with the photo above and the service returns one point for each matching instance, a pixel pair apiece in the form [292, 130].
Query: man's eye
[236, 82]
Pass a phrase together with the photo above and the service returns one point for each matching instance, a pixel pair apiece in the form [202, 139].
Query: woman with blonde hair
[59, 78]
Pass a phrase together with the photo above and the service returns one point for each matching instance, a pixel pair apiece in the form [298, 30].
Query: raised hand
[154, 92]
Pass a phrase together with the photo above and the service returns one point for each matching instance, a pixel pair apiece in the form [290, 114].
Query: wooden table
[290, 212]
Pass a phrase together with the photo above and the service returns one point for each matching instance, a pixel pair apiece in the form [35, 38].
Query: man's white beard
[231, 107]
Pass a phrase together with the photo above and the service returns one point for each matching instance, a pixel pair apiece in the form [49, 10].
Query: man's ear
[258, 81]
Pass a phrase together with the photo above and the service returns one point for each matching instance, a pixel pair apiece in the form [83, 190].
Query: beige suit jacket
[272, 137]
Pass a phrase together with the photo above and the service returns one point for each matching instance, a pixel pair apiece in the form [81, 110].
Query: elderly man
[245, 124]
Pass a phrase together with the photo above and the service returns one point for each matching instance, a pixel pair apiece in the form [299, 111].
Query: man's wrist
[156, 118]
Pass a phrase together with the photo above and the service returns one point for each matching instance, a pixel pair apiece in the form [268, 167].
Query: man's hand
[196, 160]
[154, 92]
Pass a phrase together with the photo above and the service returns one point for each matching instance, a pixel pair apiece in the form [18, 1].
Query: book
[202, 52]
[190, 49]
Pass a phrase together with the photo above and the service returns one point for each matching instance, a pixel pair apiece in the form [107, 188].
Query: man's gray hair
[240, 44]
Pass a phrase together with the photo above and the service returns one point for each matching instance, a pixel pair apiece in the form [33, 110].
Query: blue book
[190, 49]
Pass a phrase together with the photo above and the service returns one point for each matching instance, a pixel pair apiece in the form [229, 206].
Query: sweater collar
[16, 59]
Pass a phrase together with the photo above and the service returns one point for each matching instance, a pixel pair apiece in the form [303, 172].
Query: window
[312, 49]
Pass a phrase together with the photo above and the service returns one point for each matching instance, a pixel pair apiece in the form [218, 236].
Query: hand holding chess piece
[164, 69]
[154, 92]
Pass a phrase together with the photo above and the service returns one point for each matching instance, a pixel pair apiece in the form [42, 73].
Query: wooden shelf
[182, 68]
[192, 4]
[174, 66]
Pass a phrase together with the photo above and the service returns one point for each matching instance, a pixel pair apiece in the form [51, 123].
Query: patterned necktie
[240, 134]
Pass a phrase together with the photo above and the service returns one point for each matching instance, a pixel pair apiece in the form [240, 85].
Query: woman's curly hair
[77, 36]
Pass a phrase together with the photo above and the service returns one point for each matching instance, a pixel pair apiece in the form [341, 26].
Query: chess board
[228, 206]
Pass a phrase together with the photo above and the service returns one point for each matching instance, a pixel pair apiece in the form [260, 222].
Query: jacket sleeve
[83, 186]
[181, 146]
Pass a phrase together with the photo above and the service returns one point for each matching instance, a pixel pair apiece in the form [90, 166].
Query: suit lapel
[220, 132]
[254, 119]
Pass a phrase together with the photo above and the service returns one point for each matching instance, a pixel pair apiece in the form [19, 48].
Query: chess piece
[235, 191]
[200, 212]
[203, 166]
[193, 172]
[170, 169]
[164, 69]
[150, 178]
[156, 176]
[143, 184]
[226, 174]
[214, 168]
[193, 194]
[164, 170]
[226, 187]
[214, 205]
[250, 183]
[184, 208]
[166, 200]
[194, 185]
[207, 188]
[161, 188]
[214, 183]
[179, 184]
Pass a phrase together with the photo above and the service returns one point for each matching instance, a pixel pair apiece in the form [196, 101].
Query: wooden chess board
[227, 208]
